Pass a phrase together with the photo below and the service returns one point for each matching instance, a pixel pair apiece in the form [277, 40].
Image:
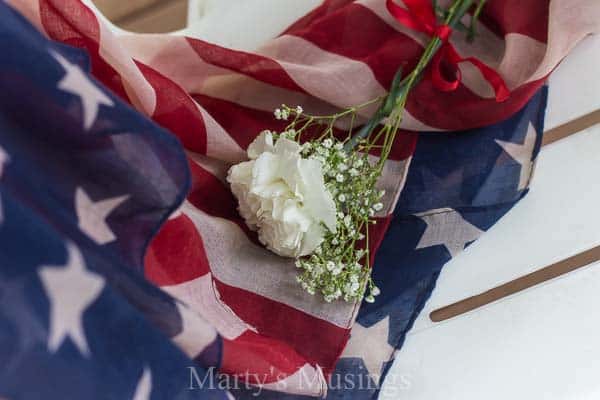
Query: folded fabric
[85, 181]
[216, 100]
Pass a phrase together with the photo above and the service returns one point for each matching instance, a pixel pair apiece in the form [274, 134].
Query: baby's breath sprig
[340, 267]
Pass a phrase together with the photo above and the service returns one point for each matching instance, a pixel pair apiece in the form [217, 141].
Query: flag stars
[448, 228]
[71, 289]
[3, 160]
[76, 82]
[521, 153]
[91, 216]
[195, 334]
[371, 345]
[144, 386]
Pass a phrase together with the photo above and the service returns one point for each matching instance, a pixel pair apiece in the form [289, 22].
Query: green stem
[394, 103]
[472, 26]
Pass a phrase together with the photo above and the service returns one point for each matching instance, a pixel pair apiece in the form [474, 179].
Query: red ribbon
[420, 16]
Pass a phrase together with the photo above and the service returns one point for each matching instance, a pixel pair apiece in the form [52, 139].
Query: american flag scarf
[226, 302]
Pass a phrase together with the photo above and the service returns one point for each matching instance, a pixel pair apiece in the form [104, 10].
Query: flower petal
[317, 199]
[262, 143]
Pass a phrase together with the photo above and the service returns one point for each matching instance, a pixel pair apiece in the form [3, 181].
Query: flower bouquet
[311, 193]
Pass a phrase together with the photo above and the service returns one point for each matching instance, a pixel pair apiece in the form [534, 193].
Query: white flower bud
[348, 220]
[287, 206]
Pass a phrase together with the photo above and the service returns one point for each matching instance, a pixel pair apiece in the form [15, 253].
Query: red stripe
[318, 341]
[326, 8]
[214, 197]
[259, 67]
[462, 108]
[176, 255]
[527, 17]
[71, 22]
[243, 124]
[403, 147]
[357, 33]
[176, 111]
[259, 356]
[384, 50]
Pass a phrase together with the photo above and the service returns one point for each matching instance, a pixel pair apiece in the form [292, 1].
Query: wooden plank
[163, 16]
[535, 278]
[577, 125]
[117, 9]
[542, 275]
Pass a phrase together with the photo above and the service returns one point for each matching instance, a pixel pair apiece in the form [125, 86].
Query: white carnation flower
[283, 196]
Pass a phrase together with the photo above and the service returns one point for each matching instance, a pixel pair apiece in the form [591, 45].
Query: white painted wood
[538, 344]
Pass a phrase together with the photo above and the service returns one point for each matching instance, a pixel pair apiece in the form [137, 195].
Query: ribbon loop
[419, 15]
[443, 32]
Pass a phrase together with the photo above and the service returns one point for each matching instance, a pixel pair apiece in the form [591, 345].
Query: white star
[371, 345]
[521, 153]
[195, 333]
[77, 82]
[70, 290]
[449, 228]
[91, 216]
[3, 160]
[144, 386]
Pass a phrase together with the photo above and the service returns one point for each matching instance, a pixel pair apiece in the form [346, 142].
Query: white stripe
[197, 76]
[517, 48]
[337, 79]
[216, 167]
[196, 335]
[312, 68]
[139, 91]
[568, 23]
[308, 381]
[218, 142]
[392, 180]
[202, 297]
[238, 262]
